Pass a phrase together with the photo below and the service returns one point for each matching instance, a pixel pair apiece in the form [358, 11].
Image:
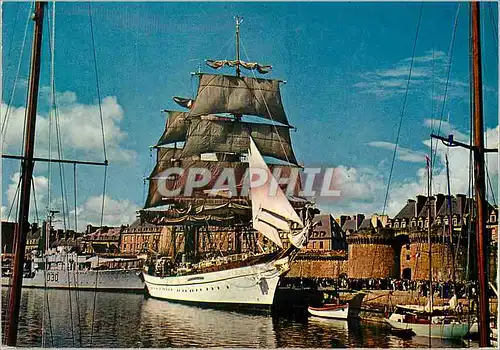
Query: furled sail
[183, 102]
[217, 64]
[165, 159]
[218, 186]
[207, 136]
[270, 211]
[175, 128]
[239, 95]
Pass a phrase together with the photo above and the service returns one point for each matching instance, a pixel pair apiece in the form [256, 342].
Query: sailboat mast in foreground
[479, 185]
[26, 178]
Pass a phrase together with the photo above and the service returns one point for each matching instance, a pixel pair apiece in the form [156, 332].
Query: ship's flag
[428, 161]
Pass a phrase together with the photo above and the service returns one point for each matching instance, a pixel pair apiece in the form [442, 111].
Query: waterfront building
[102, 240]
[448, 235]
[327, 235]
[140, 237]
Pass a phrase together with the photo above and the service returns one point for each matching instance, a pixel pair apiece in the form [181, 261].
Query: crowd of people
[445, 289]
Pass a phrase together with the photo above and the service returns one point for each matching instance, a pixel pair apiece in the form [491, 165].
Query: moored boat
[68, 270]
[226, 145]
[343, 311]
[417, 320]
[330, 311]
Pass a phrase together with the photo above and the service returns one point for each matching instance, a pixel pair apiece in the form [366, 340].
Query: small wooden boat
[330, 311]
[342, 311]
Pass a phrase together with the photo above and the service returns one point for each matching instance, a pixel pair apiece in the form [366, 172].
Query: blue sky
[345, 64]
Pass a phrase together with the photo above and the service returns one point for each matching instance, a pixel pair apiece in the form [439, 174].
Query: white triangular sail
[271, 210]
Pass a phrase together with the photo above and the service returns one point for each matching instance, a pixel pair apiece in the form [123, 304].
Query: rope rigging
[105, 157]
[450, 57]
[403, 108]
[12, 94]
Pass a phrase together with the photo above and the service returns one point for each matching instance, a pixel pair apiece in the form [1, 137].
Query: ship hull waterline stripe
[199, 283]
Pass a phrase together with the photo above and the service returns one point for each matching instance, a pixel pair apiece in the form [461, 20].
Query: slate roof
[424, 212]
[443, 211]
[366, 224]
[349, 225]
[137, 224]
[407, 212]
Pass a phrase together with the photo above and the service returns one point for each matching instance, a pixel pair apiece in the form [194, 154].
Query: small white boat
[330, 311]
[445, 327]
[342, 311]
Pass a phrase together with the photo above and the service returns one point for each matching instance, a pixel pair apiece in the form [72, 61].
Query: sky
[346, 69]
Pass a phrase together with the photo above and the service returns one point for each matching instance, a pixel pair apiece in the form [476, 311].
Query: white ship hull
[247, 286]
[102, 280]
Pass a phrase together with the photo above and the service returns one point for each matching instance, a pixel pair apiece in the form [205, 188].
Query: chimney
[432, 203]
[420, 204]
[374, 220]
[440, 199]
[359, 220]
[343, 219]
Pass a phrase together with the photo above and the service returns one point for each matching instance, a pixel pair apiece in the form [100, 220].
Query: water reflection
[176, 325]
[129, 320]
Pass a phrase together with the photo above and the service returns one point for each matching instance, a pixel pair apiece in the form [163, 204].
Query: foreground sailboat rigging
[234, 147]
[27, 165]
[432, 321]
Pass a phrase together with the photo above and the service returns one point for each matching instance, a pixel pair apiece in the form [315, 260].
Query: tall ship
[211, 179]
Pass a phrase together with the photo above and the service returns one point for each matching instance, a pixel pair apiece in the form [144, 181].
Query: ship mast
[26, 178]
[481, 239]
[431, 292]
[238, 22]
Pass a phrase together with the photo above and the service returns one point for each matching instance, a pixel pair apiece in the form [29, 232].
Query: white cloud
[429, 73]
[116, 212]
[403, 154]
[363, 190]
[41, 185]
[428, 57]
[80, 129]
[446, 128]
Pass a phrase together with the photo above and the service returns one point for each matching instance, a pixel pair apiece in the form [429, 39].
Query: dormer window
[455, 222]
[493, 218]
[403, 224]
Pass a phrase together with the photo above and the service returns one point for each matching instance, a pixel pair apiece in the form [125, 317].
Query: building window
[314, 245]
[493, 218]
[408, 256]
[403, 224]
[454, 221]
[396, 225]
[320, 245]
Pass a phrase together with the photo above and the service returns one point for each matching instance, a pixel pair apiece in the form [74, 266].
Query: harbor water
[100, 319]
